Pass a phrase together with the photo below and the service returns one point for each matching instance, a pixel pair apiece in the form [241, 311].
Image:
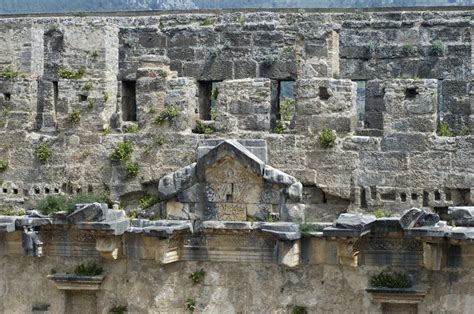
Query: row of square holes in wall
[403, 195]
[36, 190]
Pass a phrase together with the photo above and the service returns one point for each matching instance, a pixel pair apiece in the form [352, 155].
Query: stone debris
[415, 217]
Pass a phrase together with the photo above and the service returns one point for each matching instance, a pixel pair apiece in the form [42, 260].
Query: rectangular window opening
[208, 93]
[7, 96]
[129, 102]
[283, 106]
[55, 94]
[360, 102]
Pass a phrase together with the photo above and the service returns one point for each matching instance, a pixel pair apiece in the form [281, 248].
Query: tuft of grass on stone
[168, 114]
[56, 203]
[197, 276]
[379, 213]
[202, 128]
[391, 280]
[132, 128]
[119, 309]
[327, 138]
[190, 305]
[437, 48]
[9, 73]
[88, 86]
[123, 151]
[71, 74]
[75, 116]
[132, 168]
[3, 165]
[43, 152]
[148, 201]
[445, 130]
[465, 131]
[299, 310]
[88, 269]
[107, 131]
[207, 22]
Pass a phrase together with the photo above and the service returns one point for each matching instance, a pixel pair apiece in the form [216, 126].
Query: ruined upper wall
[407, 70]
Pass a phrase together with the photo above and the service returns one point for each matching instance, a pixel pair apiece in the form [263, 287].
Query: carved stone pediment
[230, 183]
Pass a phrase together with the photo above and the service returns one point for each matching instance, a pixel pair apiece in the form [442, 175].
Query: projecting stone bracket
[109, 247]
[348, 252]
[396, 296]
[75, 282]
[433, 255]
[289, 253]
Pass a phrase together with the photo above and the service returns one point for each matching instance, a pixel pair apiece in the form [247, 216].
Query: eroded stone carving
[229, 182]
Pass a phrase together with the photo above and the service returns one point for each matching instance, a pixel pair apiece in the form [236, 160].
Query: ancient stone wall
[415, 68]
[237, 116]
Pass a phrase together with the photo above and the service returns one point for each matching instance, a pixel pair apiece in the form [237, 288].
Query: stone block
[418, 218]
[88, 213]
[405, 142]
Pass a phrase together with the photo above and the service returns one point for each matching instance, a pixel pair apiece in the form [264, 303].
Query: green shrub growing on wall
[327, 138]
[379, 213]
[123, 151]
[3, 165]
[190, 305]
[391, 280]
[132, 169]
[7, 211]
[445, 130]
[88, 269]
[299, 310]
[75, 116]
[207, 22]
[168, 114]
[107, 131]
[287, 108]
[437, 48]
[88, 86]
[465, 131]
[55, 203]
[9, 73]
[202, 128]
[197, 276]
[119, 309]
[279, 127]
[71, 74]
[43, 152]
[148, 201]
[132, 128]
[214, 93]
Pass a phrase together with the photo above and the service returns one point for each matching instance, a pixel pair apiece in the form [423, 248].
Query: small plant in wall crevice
[391, 280]
[327, 138]
[43, 152]
[190, 305]
[3, 165]
[299, 310]
[132, 169]
[88, 269]
[197, 276]
[168, 114]
[75, 116]
[119, 309]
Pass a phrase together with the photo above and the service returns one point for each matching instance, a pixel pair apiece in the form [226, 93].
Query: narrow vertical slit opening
[129, 102]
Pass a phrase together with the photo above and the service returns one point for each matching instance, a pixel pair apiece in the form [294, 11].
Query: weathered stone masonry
[385, 82]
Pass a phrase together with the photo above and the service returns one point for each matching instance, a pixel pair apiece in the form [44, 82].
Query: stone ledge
[395, 295]
[75, 282]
